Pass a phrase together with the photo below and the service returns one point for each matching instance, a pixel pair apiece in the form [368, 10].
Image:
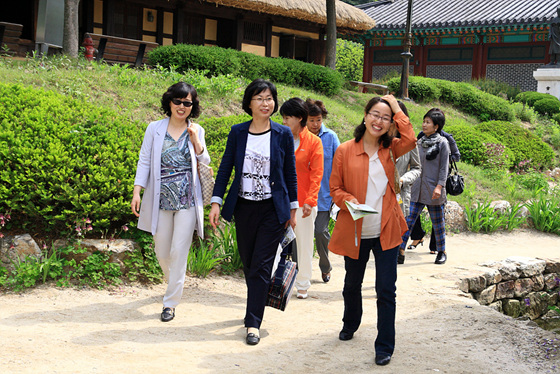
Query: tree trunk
[70, 43]
[331, 35]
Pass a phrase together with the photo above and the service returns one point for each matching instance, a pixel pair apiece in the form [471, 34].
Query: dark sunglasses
[187, 104]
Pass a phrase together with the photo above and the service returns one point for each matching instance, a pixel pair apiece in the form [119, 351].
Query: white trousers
[173, 239]
[305, 229]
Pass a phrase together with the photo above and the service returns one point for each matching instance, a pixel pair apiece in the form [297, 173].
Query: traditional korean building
[459, 40]
[286, 28]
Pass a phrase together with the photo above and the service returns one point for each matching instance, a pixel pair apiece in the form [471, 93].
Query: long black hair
[385, 139]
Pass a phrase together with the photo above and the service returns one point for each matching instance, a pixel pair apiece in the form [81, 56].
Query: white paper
[358, 211]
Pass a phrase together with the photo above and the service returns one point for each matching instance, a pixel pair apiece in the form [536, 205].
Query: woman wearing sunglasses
[171, 207]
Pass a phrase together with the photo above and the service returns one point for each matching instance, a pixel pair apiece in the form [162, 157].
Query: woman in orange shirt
[363, 173]
[309, 169]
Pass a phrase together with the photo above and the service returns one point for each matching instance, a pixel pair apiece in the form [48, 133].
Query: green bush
[531, 97]
[62, 160]
[419, 88]
[547, 107]
[472, 145]
[496, 88]
[350, 59]
[556, 117]
[220, 61]
[217, 130]
[525, 145]
[461, 95]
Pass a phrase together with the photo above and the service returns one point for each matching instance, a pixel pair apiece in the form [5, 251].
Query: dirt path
[51, 330]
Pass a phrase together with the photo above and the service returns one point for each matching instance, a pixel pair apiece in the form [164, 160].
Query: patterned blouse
[176, 174]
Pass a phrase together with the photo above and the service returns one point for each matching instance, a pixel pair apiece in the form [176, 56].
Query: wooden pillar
[479, 67]
[367, 73]
[178, 24]
[419, 64]
[240, 28]
[159, 26]
[268, 37]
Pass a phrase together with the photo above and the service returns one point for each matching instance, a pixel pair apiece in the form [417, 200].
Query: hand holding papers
[358, 211]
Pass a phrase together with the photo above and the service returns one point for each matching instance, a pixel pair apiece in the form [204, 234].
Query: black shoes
[413, 246]
[168, 314]
[382, 360]
[345, 335]
[400, 259]
[441, 258]
[326, 276]
[252, 339]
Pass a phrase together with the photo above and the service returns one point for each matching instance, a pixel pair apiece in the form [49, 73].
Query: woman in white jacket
[171, 207]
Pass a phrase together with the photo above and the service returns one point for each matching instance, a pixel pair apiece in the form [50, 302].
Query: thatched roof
[347, 16]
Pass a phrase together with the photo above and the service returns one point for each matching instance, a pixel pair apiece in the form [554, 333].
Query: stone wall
[516, 286]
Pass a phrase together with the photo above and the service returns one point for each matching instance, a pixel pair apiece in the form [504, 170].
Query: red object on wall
[88, 45]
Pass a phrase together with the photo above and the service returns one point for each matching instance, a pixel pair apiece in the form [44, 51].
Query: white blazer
[148, 175]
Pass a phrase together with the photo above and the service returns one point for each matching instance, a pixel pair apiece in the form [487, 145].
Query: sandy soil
[439, 329]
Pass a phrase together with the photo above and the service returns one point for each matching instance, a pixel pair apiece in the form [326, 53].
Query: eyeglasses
[377, 117]
[187, 104]
[260, 100]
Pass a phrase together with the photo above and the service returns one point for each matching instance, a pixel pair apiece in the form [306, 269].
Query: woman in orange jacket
[309, 169]
[363, 173]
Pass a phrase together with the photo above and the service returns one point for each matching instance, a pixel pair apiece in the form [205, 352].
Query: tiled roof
[429, 14]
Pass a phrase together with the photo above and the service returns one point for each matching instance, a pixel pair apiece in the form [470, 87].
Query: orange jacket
[309, 167]
[349, 179]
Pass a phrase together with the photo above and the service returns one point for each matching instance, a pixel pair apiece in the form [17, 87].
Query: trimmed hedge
[531, 97]
[216, 61]
[547, 107]
[471, 143]
[462, 95]
[62, 160]
[524, 144]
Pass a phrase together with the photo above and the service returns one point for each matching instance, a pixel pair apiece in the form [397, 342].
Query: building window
[253, 32]
[388, 56]
[450, 54]
[516, 53]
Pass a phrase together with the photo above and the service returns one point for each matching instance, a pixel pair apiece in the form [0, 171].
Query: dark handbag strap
[453, 166]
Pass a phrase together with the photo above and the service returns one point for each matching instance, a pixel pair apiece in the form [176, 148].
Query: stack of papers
[358, 211]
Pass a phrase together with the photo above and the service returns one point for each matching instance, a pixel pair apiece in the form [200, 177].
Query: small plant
[426, 221]
[143, 265]
[513, 218]
[483, 217]
[202, 259]
[545, 213]
[225, 240]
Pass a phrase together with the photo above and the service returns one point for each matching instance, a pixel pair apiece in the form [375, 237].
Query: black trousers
[418, 233]
[258, 236]
[385, 287]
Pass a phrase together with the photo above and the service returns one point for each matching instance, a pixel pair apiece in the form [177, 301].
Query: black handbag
[455, 183]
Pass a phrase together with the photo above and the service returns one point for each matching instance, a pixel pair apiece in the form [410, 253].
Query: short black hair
[316, 108]
[295, 107]
[256, 87]
[385, 139]
[179, 91]
[437, 117]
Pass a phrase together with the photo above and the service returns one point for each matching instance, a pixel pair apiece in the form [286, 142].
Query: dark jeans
[385, 286]
[258, 236]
